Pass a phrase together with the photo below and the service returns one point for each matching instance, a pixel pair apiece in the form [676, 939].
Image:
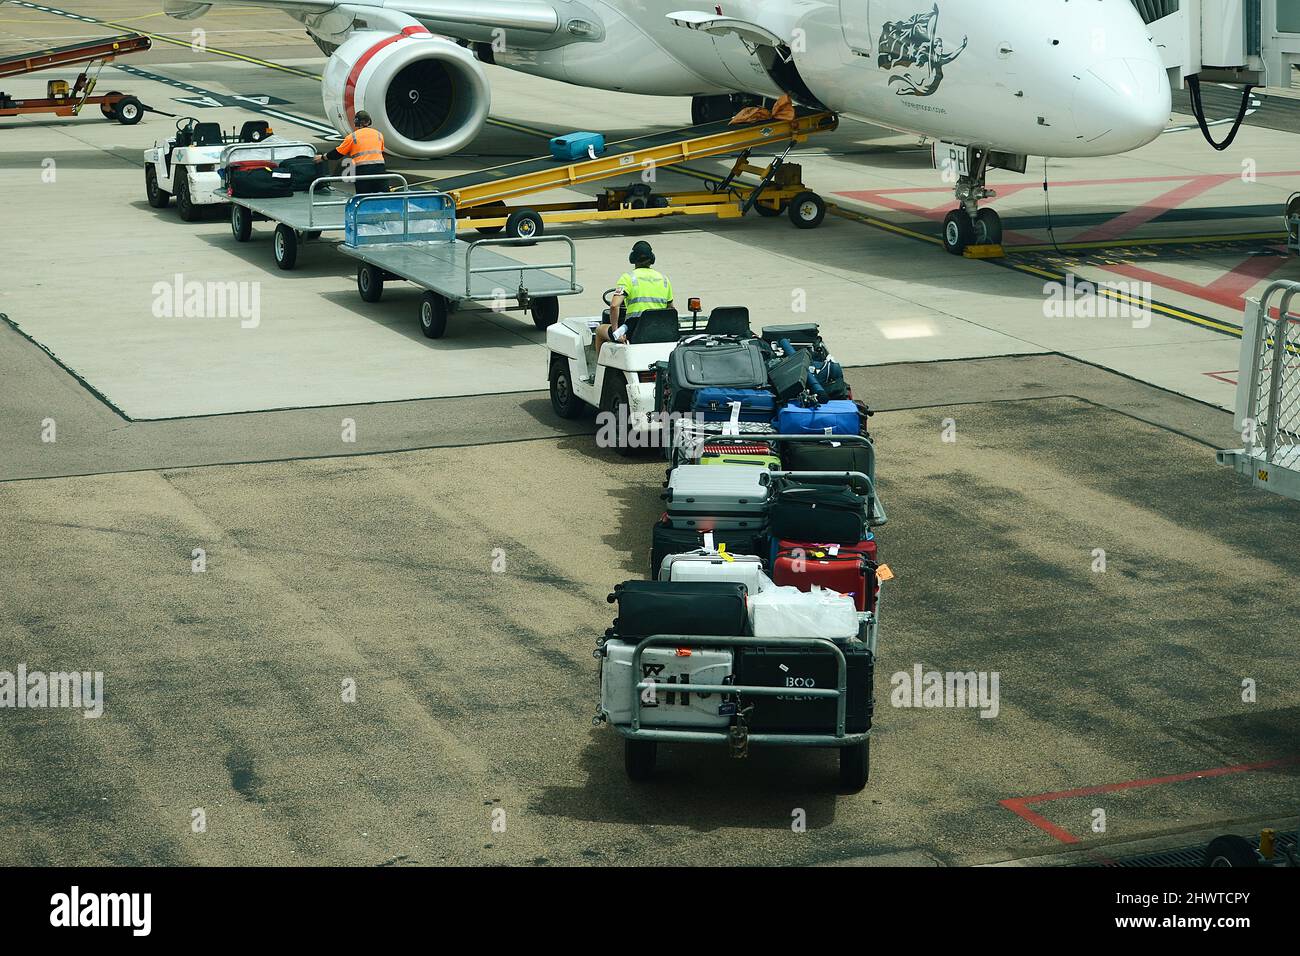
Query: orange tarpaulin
[782, 109]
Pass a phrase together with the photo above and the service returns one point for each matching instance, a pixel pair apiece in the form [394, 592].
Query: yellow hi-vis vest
[644, 289]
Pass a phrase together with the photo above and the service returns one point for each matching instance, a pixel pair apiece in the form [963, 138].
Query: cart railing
[1268, 393]
[839, 738]
[387, 218]
[313, 203]
[285, 149]
[471, 270]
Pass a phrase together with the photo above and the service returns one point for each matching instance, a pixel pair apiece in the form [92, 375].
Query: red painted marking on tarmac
[1020, 805]
[1135, 218]
[1223, 376]
[1228, 291]
[867, 194]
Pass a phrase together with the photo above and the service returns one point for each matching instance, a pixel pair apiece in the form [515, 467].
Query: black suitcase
[828, 456]
[680, 607]
[302, 171]
[806, 667]
[714, 363]
[805, 337]
[799, 511]
[669, 540]
[789, 375]
[260, 183]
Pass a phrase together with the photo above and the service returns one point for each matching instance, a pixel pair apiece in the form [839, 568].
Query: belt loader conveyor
[64, 100]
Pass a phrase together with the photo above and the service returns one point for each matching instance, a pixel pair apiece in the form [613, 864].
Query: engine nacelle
[427, 95]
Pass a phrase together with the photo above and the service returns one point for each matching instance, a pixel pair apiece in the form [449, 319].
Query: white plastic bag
[789, 612]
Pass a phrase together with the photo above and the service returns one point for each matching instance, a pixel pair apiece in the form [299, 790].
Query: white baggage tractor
[671, 704]
[705, 497]
[789, 612]
[746, 569]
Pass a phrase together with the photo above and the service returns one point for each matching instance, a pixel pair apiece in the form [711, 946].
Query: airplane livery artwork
[915, 45]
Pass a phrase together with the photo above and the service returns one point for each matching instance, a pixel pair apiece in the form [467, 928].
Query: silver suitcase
[746, 569]
[703, 497]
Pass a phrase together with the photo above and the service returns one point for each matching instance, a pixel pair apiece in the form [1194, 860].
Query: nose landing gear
[969, 225]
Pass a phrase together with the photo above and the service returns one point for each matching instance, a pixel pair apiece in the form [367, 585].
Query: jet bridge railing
[1268, 393]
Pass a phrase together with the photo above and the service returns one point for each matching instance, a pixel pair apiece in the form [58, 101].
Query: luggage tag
[733, 426]
[883, 573]
[708, 541]
[722, 552]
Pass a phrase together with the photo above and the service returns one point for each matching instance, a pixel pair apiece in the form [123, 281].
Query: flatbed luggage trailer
[487, 206]
[412, 237]
[300, 218]
[64, 100]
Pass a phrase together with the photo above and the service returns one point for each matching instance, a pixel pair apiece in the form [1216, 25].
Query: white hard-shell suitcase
[746, 569]
[705, 496]
[672, 703]
[789, 612]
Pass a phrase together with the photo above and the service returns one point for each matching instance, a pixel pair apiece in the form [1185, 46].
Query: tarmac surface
[450, 562]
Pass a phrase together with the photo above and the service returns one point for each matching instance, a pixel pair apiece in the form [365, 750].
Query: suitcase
[667, 607]
[848, 572]
[764, 462]
[714, 363]
[786, 611]
[739, 447]
[805, 337]
[828, 513]
[831, 418]
[715, 404]
[829, 456]
[260, 183]
[789, 375]
[669, 540]
[575, 146]
[302, 171]
[868, 547]
[746, 569]
[806, 667]
[704, 497]
[670, 705]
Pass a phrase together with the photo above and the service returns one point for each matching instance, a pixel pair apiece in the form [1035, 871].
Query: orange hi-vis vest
[365, 146]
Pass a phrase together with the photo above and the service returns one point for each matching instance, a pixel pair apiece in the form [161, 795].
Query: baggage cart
[411, 236]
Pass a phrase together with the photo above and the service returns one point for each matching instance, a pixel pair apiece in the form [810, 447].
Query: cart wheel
[639, 758]
[524, 224]
[129, 111]
[241, 223]
[771, 212]
[108, 109]
[616, 403]
[184, 203]
[158, 197]
[546, 311]
[433, 315]
[563, 401]
[807, 210]
[286, 247]
[1230, 851]
[370, 282]
[855, 766]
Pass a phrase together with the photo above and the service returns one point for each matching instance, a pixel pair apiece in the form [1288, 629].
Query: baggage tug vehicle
[759, 621]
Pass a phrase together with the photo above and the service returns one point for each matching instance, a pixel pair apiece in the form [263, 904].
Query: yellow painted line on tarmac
[1151, 241]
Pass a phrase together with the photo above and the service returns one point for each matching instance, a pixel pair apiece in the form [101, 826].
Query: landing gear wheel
[639, 758]
[988, 228]
[158, 197]
[286, 247]
[958, 232]
[807, 210]
[370, 282]
[110, 110]
[616, 403]
[129, 111]
[855, 766]
[184, 204]
[563, 401]
[433, 315]
[1230, 851]
[545, 311]
[241, 223]
[524, 224]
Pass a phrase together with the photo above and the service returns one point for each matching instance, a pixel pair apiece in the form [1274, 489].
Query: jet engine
[427, 95]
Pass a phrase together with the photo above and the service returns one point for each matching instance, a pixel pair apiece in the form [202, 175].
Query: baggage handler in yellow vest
[365, 147]
[640, 290]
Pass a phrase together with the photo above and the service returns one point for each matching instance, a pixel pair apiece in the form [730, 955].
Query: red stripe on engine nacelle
[350, 89]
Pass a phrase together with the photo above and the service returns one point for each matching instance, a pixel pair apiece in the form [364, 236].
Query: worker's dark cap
[641, 252]
[363, 118]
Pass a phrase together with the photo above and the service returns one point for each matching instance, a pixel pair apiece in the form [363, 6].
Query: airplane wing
[477, 17]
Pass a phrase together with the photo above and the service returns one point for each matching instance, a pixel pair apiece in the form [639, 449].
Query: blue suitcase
[714, 404]
[832, 418]
[574, 146]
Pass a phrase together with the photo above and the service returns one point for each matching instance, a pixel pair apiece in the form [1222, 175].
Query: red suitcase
[848, 569]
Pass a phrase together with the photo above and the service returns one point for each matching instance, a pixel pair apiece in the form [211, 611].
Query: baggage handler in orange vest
[365, 147]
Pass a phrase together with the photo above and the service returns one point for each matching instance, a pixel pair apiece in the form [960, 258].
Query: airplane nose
[1122, 104]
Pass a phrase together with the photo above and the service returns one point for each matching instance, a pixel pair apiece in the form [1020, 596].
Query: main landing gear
[969, 225]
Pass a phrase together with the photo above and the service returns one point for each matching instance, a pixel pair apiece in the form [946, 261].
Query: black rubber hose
[1198, 110]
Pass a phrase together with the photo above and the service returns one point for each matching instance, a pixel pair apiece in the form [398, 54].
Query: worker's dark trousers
[373, 185]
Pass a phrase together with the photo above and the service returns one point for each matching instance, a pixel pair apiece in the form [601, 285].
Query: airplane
[990, 82]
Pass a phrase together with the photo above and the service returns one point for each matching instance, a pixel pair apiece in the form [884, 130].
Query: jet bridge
[1247, 42]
